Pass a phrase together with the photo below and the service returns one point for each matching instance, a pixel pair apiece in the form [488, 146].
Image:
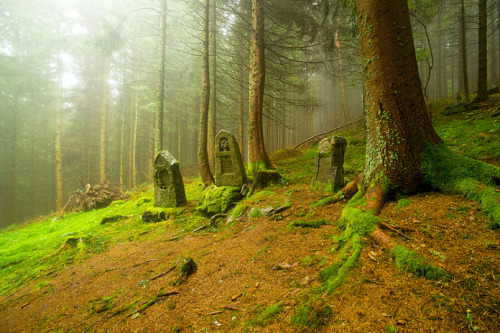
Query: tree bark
[104, 123]
[204, 165]
[241, 108]
[57, 139]
[160, 97]
[257, 155]
[396, 119]
[345, 109]
[13, 213]
[212, 113]
[482, 70]
[463, 52]
[122, 146]
[134, 140]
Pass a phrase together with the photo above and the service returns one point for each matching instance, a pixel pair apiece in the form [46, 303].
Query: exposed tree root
[442, 170]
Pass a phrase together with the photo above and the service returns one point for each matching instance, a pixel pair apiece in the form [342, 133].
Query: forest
[249, 165]
[85, 84]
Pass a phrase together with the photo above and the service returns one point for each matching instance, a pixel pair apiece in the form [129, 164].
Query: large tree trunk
[205, 173]
[257, 155]
[396, 119]
[212, 113]
[160, 97]
[463, 51]
[482, 72]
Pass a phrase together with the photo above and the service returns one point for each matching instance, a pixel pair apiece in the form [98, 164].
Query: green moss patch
[308, 224]
[267, 315]
[410, 261]
[312, 315]
[218, 200]
[449, 172]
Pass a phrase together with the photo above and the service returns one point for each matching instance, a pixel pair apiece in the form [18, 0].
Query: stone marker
[229, 168]
[329, 163]
[168, 185]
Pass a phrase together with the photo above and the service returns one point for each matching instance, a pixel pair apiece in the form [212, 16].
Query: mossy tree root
[359, 220]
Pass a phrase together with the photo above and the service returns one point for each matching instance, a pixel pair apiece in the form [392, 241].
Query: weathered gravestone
[229, 168]
[168, 185]
[329, 163]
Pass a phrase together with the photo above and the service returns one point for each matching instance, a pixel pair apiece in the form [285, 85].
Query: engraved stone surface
[168, 184]
[329, 163]
[229, 168]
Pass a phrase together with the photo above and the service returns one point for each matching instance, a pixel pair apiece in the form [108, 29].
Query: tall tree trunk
[439, 55]
[212, 113]
[241, 108]
[13, 216]
[134, 141]
[104, 123]
[345, 109]
[463, 51]
[57, 139]
[131, 138]
[257, 155]
[161, 79]
[204, 165]
[482, 70]
[122, 146]
[392, 90]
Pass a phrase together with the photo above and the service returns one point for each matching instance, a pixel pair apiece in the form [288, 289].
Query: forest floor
[262, 274]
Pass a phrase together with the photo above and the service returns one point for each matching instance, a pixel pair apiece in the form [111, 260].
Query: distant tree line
[91, 90]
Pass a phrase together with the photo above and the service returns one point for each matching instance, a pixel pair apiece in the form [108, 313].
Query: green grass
[38, 249]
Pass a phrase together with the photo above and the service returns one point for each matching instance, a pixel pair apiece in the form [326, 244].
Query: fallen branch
[163, 274]
[325, 133]
[395, 229]
[141, 263]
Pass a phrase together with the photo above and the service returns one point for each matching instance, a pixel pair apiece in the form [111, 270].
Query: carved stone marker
[329, 163]
[229, 168]
[168, 185]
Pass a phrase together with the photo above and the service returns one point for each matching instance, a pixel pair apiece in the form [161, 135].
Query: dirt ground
[258, 262]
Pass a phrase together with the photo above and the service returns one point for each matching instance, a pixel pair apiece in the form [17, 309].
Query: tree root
[359, 220]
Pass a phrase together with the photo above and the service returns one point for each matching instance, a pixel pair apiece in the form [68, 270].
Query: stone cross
[168, 184]
[329, 163]
[229, 168]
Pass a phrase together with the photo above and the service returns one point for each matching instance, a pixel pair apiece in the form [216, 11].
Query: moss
[218, 200]
[323, 202]
[404, 202]
[239, 210]
[449, 172]
[413, 262]
[255, 213]
[143, 200]
[312, 315]
[308, 224]
[257, 166]
[158, 214]
[267, 315]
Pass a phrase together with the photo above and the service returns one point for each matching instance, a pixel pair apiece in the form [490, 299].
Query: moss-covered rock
[158, 214]
[218, 200]
[458, 107]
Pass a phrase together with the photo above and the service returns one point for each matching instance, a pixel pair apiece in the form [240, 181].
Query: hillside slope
[258, 273]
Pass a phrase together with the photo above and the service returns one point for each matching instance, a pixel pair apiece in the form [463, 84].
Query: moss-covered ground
[262, 273]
